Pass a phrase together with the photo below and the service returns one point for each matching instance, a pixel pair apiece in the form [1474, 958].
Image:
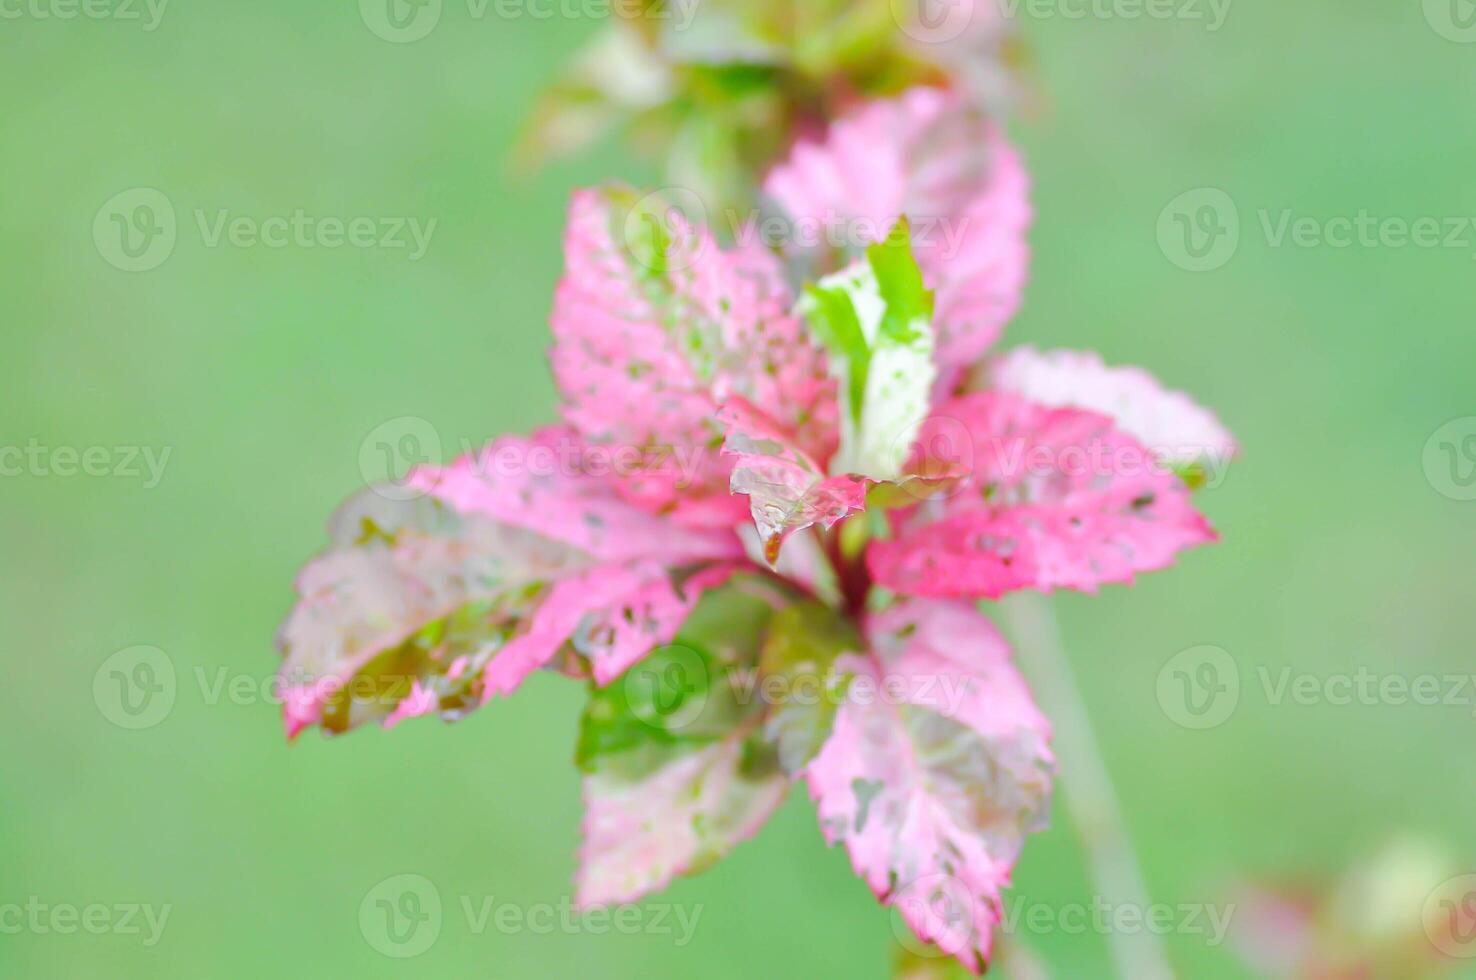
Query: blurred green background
[264, 369]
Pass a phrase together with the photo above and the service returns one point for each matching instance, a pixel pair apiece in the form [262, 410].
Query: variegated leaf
[938, 767]
[515, 556]
[1055, 498]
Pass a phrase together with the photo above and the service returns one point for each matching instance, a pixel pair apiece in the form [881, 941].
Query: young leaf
[935, 156]
[874, 319]
[787, 490]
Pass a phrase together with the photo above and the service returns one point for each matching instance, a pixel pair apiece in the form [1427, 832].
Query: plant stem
[1091, 801]
[850, 571]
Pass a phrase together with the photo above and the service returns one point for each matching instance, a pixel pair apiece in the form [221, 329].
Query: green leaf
[909, 303]
[833, 318]
[875, 320]
[683, 696]
[1193, 474]
[797, 671]
[676, 771]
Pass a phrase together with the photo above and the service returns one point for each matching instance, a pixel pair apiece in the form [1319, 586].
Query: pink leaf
[655, 328]
[1056, 498]
[1167, 422]
[934, 157]
[555, 484]
[437, 604]
[936, 769]
[614, 615]
[640, 834]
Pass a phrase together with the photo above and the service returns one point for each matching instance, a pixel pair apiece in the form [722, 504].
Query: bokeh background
[264, 370]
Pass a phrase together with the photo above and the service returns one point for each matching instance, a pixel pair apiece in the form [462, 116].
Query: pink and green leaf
[937, 768]
[935, 157]
[655, 328]
[875, 321]
[677, 773]
[1055, 498]
[1168, 422]
[438, 604]
[799, 665]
